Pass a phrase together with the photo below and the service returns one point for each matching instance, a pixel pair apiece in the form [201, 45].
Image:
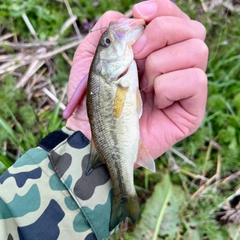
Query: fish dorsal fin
[94, 160]
[139, 103]
[144, 158]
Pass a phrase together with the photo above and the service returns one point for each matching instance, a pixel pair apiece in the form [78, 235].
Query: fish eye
[106, 41]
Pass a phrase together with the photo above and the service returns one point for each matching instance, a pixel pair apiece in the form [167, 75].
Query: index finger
[148, 10]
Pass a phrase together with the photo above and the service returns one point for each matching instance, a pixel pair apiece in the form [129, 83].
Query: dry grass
[36, 57]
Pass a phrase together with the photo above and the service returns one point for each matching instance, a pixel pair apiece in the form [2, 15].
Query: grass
[29, 112]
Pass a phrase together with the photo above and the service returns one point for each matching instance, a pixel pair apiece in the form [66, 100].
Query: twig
[172, 163]
[13, 59]
[184, 184]
[175, 168]
[64, 92]
[52, 89]
[43, 109]
[54, 98]
[128, 14]
[11, 66]
[6, 36]
[194, 176]
[21, 59]
[65, 26]
[59, 50]
[29, 25]
[204, 6]
[68, 23]
[31, 45]
[201, 189]
[230, 178]
[184, 158]
[214, 144]
[34, 66]
[74, 23]
[9, 57]
[35, 80]
[68, 60]
[218, 172]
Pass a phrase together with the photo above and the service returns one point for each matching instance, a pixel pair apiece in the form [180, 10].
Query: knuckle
[203, 48]
[201, 30]
[199, 45]
[199, 50]
[199, 78]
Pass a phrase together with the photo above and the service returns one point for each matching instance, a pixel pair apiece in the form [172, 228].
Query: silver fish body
[114, 107]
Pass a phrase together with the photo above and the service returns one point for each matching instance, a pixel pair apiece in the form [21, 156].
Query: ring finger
[188, 54]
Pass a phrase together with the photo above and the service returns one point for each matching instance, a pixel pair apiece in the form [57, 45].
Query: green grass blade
[55, 119]
[166, 193]
[6, 127]
[14, 119]
[7, 162]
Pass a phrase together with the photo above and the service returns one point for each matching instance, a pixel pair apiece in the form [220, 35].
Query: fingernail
[140, 44]
[146, 9]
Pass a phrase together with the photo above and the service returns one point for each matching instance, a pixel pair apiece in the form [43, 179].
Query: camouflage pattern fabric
[46, 195]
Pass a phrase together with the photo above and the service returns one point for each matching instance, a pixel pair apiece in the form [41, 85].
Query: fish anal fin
[94, 160]
[121, 209]
[144, 158]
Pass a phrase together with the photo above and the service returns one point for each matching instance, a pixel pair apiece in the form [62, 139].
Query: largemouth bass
[114, 107]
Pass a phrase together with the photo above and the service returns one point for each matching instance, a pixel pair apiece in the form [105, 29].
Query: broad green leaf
[192, 231]
[234, 231]
[171, 222]
[161, 214]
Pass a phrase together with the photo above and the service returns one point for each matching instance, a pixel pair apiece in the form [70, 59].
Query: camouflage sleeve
[46, 195]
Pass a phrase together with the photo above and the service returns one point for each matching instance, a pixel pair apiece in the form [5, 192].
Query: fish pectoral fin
[144, 158]
[94, 160]
[120, 210]
[119, 101]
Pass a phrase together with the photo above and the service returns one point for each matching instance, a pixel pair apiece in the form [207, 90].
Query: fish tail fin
[133, 208]
[120, 210]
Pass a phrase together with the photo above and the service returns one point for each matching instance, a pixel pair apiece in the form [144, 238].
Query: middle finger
[188, 54]
[165, 31]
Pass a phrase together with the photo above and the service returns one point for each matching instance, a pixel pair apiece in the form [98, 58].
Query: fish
[114, 107]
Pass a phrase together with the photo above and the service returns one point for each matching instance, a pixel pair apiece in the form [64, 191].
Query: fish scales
[113, 111]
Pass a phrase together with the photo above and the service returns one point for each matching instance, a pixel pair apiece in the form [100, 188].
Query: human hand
[171, 57]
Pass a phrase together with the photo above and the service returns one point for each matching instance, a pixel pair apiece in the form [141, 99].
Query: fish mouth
[123, 74]
[130, 29]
